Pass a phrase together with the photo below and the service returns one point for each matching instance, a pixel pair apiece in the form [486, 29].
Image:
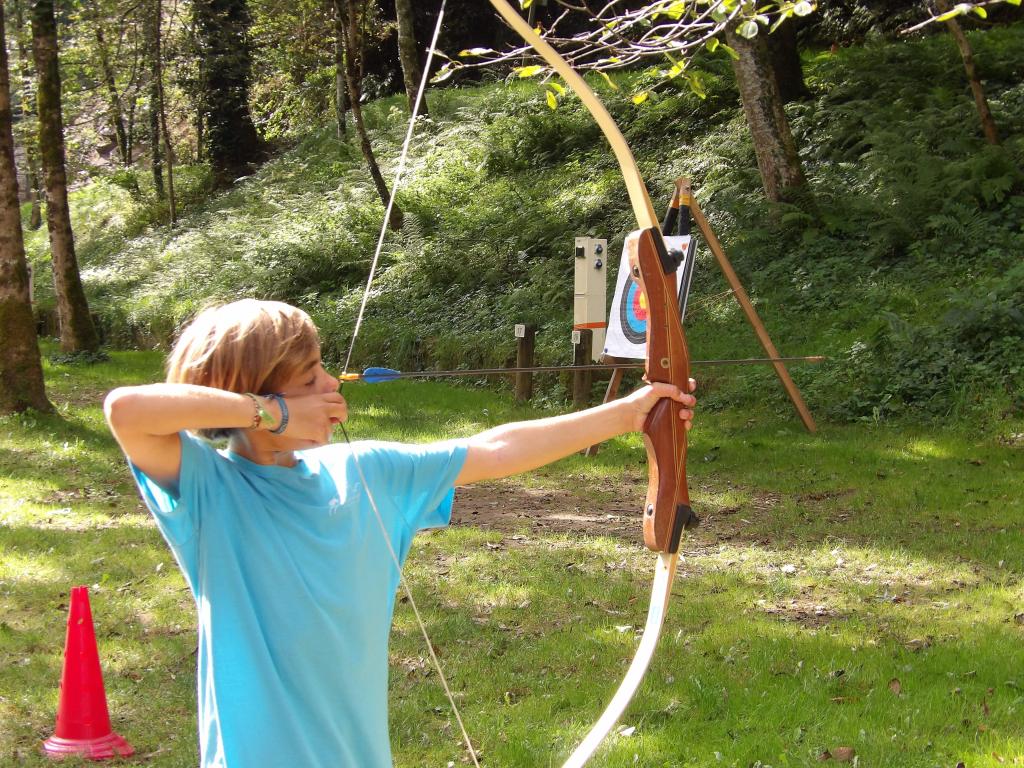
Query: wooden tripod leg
[609, 394]
[749, 311]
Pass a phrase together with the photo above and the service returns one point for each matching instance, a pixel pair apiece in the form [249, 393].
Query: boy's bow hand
[645, 398]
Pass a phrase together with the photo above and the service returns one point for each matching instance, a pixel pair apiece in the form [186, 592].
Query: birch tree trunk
[113, 97]
[785, 58]
[340, 88]
[231, 142]
[77, 332]
[28, 136]
[354, 79]
[988, 123]
[152, 34]
[21, 370]
[408, 54]
[781, 172]
[158, 72]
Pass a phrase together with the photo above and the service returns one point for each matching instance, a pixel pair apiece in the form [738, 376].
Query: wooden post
[746, 306]
[610, 393]
[527, 335]
[582, 380]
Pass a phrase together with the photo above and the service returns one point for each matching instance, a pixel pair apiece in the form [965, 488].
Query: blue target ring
[633, 313]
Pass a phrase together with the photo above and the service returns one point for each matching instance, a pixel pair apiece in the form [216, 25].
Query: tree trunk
[781, 173]
[27, 135]
[77, 332]
[408, 54]
[232, 144]
[354, 79]
[21, 370]
[340, 88]
[168, 150]
[988, 124]
[152, 22]
[113, 98]
[785, 57]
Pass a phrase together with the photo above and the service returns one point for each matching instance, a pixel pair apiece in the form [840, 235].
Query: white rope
[394, 185]
[348, 358]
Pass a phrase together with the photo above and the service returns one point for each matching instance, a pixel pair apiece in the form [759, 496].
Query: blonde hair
[245, 346]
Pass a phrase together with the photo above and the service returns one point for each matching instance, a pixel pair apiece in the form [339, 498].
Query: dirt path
[611, 509]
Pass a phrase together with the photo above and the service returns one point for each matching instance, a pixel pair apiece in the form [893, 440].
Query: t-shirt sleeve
[177, 510]
[419, 480]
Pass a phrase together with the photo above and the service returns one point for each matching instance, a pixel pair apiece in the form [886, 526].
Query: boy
[276, 535]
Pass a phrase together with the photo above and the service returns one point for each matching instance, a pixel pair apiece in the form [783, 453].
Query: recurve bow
[667, 508]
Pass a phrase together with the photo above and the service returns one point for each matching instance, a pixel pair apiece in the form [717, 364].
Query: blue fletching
[377, 375]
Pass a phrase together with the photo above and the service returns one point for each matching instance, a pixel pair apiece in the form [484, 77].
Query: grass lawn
[855, 590]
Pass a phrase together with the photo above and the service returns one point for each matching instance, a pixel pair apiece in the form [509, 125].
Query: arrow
[378, 375]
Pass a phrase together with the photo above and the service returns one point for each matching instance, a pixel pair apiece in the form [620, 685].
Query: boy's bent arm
[525, 445]
[146, 421]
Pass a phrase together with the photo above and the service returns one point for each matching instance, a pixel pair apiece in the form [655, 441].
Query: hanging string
[348, 358]
[394, 185]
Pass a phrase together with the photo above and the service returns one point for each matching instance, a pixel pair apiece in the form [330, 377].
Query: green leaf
[803, 8]
[677, 69]
[958, 10]
[552, 101]
[475, 51]
[697, 85]
[712, 44]
[779, 21]
[747, 29]
[443, 73]
[531, 71]
[675, 10]
[730, 50]
[557, 87]
[640, 98]
[981, 11]
[608, 80]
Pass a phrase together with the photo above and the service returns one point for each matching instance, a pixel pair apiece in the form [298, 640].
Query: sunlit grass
[830, 600]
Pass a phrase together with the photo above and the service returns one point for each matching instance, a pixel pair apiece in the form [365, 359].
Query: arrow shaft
[574, 368]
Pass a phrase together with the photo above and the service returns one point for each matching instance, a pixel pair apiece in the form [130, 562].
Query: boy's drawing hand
[311, 418]
[645, 398]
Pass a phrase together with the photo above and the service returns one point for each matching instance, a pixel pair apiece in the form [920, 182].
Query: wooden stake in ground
[745, 304]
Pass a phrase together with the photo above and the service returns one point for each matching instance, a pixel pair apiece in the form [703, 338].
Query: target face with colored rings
[633, 313]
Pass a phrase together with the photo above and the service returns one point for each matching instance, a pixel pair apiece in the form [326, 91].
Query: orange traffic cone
[83, 722]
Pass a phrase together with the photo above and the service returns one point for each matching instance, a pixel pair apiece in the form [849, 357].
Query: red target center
[640, 306]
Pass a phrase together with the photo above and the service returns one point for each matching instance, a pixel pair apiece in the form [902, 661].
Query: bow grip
[667, 510]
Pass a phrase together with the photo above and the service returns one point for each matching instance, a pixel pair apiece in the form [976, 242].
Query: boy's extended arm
[525, 445]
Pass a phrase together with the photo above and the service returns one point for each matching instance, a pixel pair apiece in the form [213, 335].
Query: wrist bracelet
[284, 415]
[261, 416]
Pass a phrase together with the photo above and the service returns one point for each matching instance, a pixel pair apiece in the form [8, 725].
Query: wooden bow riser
[667, 510]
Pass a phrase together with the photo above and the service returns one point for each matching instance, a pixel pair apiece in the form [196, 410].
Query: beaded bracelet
[261, 415]
[284, 415]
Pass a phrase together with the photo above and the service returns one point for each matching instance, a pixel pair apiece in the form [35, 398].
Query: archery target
[627, 320]
[633, 313]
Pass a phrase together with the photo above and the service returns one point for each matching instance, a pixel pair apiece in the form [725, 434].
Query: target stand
[627, 326]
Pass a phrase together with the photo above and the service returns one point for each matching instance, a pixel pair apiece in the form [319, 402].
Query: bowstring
[348, 358]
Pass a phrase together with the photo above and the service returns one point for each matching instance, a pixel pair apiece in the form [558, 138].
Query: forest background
[895, 225]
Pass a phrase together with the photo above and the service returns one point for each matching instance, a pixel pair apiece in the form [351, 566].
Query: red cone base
[83, 722]
[95, 749]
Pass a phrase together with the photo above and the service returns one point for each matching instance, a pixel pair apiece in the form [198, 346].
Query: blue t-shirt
[294, 588]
